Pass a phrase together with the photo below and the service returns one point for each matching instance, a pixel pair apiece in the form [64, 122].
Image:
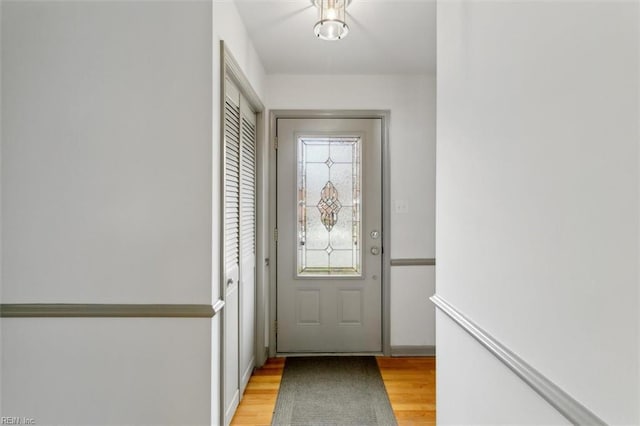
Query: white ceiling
[386, 37]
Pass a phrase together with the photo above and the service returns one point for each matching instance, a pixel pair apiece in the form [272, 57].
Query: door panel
[247, 244]
[231, 365]
[329, 220]
[231, 251]
[239, 246]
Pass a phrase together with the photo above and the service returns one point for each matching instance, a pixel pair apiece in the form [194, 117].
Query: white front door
[329, 247]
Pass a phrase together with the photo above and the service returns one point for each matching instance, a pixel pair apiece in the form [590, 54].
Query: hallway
[128, 297]
[410, 384]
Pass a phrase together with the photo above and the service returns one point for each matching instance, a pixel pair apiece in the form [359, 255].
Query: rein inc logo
[6, 420]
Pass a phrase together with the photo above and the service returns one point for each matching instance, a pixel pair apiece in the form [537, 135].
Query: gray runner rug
[332, 390]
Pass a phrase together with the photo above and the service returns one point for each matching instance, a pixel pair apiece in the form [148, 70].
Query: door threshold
[296, 354]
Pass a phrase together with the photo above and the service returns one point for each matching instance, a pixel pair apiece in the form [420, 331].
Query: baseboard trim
[80, 310]
[246, 375]
[575, 412]
[261, 358]
[413, 351]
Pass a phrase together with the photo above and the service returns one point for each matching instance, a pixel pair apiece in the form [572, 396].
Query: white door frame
[384, 116]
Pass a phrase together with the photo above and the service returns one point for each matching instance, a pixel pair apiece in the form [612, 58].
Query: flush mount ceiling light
[331, 23]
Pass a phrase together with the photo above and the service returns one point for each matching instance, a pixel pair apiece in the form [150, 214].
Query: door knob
[375, 250]
[229, 282]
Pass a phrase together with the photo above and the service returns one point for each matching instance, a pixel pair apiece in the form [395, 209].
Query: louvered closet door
[247, 242]
[231, 250]
[239, 245]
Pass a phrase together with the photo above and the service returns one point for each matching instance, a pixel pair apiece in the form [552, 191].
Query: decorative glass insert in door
[329, 203]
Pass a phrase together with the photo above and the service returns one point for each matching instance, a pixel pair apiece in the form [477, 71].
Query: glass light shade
[331, 23]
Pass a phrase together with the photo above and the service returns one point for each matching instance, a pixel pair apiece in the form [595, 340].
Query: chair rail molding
[413, 262]
[569, 407]
[86, 310]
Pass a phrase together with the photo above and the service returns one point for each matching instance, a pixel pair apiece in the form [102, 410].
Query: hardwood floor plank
[259, 400]
[410, 383]
[411, 386]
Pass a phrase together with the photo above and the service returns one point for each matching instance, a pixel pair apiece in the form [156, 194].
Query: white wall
[537, 205]
[228, 26]
[411, 99]
[106, 198]
[461, 401]
[110, 177]
[106, 152]
[112, 371]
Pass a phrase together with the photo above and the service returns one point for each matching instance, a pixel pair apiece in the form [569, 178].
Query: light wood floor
[260, 396]
[410, 383]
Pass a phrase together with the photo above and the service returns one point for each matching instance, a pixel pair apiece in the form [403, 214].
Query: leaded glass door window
[329, 202]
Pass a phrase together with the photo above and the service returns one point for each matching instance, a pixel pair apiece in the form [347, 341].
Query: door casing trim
[385, 117]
